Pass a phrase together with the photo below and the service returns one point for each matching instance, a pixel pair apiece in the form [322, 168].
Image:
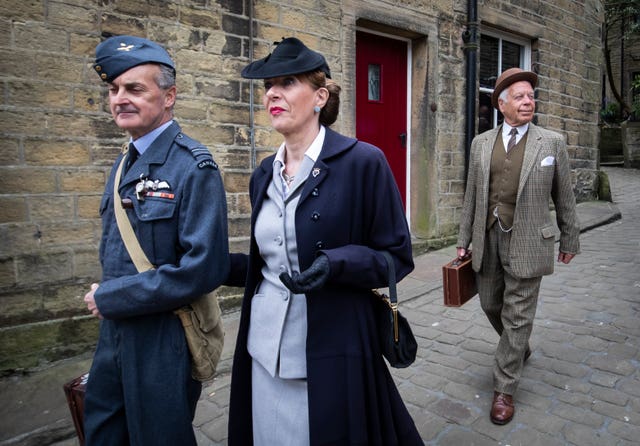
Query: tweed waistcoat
[503, 181]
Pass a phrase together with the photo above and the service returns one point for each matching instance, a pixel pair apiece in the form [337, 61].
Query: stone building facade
[624, 48]
[58, 141]
[625, 60]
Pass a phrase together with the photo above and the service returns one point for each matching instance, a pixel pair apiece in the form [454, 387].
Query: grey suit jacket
[278, 328]
[545, 176]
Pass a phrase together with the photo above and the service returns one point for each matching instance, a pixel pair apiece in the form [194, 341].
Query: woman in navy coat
[308, 368]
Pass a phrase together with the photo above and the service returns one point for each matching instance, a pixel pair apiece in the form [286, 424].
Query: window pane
[488, 61]
[485, 113]
[496, 56]
[374, 82]
[511, 55]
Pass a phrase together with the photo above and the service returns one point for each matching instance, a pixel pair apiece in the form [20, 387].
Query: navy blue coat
[349, 210]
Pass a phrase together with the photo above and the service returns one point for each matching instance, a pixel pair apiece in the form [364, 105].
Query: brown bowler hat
[510, 76]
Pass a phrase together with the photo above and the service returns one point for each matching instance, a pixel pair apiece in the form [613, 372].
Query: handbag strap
[393, 293]
[139, 258]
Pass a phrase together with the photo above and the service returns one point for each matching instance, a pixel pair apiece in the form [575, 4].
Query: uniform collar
[144, 142]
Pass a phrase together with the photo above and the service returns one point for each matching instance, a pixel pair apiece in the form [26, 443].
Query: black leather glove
[311, 279]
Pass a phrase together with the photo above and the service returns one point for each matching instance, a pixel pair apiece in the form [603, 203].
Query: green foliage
[619, 11]
[611, 113]
[621, 20]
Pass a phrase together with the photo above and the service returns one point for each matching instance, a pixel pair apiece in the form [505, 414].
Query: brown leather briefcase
[458, 281]
[74, 390]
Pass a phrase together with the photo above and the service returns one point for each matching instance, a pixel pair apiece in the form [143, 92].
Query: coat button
[315, 192]
[315, 216]
[319, 244]
[278, 240]
[285, 295]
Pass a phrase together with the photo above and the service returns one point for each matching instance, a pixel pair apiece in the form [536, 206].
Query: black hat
[117, 54]
[511, 76]
[290, 56]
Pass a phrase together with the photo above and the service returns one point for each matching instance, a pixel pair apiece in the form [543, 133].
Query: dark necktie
[133, 156]
[512, 140]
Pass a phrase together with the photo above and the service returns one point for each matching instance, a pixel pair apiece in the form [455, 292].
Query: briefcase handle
[459, 260]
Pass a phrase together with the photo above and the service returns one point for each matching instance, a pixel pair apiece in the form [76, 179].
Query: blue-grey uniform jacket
[140, 389]
[183, 233]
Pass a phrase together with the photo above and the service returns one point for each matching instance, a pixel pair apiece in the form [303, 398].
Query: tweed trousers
[510, 305]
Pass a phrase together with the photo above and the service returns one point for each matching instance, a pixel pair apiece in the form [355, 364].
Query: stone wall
[631, 143]
[58, 141]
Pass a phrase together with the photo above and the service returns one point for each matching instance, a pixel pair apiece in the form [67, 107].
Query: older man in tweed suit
[514, 172]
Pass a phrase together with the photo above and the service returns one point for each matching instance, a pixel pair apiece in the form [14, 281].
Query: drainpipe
[470, 38]
[623, 95]
[252, 132]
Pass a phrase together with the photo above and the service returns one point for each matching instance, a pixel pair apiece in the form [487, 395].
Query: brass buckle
[394, 311]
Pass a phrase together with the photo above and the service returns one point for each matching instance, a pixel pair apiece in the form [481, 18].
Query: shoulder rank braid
[199, 152]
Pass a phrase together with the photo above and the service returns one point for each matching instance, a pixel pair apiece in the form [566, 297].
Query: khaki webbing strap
[129, 238]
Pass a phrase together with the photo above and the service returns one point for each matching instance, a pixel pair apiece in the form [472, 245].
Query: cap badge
[125, 47]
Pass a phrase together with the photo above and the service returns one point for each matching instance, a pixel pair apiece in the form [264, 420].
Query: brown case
[458, 282]
[74, 390]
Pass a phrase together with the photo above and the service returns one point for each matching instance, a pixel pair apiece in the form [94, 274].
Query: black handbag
[398, 344]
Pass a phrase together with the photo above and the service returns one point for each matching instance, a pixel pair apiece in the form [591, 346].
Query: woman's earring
[316, 109]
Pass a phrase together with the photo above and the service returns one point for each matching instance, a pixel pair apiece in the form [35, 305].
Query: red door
[381, 100]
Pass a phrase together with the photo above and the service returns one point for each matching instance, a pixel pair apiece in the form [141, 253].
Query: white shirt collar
[313, 152]
[506, 128]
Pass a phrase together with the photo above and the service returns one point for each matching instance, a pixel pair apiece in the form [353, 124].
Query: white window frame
[525, 58]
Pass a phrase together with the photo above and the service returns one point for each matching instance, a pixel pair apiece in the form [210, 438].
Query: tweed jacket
[545, 176]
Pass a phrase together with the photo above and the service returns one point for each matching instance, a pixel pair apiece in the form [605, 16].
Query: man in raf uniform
[140, 388]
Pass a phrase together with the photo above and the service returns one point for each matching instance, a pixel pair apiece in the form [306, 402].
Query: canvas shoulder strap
[129, 238]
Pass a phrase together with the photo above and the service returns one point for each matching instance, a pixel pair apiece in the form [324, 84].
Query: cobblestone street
[580, 387]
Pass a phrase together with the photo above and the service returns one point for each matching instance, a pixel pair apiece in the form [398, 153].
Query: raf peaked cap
[511, 76]
[290, 56]
[117, 54]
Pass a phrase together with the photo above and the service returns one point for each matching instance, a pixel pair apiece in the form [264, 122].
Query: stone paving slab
[580, 387]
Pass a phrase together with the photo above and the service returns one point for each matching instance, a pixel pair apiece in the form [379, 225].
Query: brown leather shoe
[502, 408]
